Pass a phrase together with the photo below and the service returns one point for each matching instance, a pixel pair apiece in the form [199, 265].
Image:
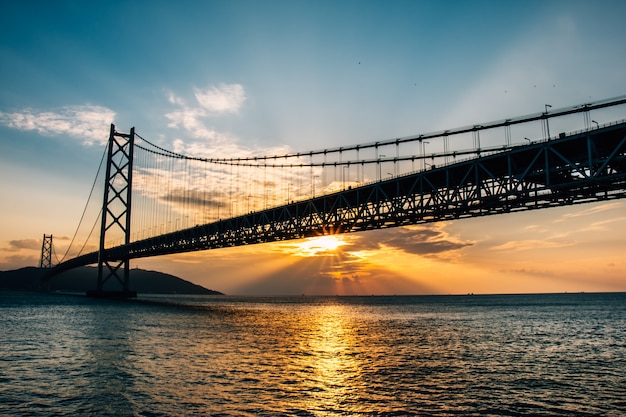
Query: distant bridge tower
[116, 211]
[46, 252]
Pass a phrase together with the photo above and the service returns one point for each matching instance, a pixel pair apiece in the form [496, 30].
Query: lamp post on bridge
[547, 106]
[380, 167]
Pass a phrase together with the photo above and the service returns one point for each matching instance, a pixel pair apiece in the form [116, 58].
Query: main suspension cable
[95, 223]
[93, 186]
[474, 129]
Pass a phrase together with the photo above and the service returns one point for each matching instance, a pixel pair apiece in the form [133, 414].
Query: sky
[233, 76]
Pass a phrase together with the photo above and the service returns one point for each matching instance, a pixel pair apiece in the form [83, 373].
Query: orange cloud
[16, 245]
[532, 244]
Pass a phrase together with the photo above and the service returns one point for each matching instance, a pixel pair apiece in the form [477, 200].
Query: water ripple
[548, 355]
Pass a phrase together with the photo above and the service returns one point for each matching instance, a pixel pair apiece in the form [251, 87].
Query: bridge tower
[116, 209]
[46, 252]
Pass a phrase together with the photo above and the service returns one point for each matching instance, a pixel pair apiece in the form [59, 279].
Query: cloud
[200, 139]
[87, 122]
[175, 99]
[24, 244]
[530, 271]
[205, 141]
[532, 244]
[214, 101]
[225, 98]
[18, 261]
[417, 240]
[195, 199]
[353, 249]
[592, 211]
[188, 119]
[15, 256]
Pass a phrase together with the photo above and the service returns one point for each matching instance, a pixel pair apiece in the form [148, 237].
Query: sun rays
[318, 246]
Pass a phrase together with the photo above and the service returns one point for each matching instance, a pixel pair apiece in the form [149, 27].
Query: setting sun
[318, 246]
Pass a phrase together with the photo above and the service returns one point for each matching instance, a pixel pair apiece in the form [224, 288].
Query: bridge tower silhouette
[116, 213]
[46, 252]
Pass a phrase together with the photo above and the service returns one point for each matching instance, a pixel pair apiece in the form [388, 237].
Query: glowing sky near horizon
[227, 78]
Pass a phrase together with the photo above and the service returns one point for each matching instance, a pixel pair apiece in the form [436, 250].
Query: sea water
[491, 355]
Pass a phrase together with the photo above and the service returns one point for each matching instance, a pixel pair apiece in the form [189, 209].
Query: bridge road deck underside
[584, 167]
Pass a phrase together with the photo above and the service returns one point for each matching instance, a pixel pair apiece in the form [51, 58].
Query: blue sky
[256, 75]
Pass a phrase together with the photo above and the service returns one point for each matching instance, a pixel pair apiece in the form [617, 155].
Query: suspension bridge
[158, 201]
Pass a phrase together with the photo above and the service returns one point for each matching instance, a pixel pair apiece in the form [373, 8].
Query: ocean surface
[494, 355]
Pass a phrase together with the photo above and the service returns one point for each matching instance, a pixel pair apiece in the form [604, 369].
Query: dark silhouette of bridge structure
[493, 168]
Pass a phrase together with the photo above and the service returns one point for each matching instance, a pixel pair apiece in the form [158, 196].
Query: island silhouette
[84, 278]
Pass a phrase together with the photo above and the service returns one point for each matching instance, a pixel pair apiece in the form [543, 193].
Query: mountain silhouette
[84, 279]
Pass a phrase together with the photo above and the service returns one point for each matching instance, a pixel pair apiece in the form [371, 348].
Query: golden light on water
[332, 346]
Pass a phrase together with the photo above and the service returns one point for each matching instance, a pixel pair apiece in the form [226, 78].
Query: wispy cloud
[532, 244]
[593, 210]
[224, 98]
[188, 119]
[533, 272]
[88, 123]
[15, 245]
[214, 101]
[193, 119]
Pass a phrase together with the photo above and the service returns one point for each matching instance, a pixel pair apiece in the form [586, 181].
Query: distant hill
[84, 278]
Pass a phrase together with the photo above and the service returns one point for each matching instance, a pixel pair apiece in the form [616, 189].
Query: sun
[319, 246]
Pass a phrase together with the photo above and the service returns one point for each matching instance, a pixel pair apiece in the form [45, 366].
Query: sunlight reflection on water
[333, 356]
[496, 355]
